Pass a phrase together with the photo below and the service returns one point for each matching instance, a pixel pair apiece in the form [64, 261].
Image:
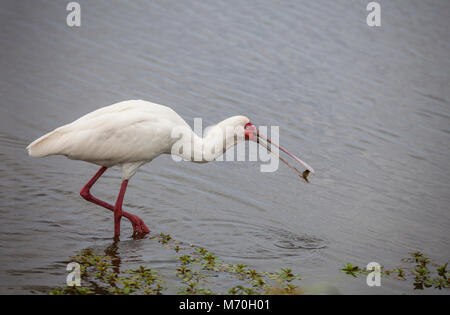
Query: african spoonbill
[132, 133]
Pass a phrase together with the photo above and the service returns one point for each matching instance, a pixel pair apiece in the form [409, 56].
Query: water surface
[368, 108]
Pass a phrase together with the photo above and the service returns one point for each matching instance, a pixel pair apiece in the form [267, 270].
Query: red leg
[118, 208]
[138, 225]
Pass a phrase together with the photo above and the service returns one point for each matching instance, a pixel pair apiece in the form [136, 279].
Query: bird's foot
[139, 227]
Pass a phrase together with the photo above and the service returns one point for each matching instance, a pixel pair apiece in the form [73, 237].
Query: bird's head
[242, 129]
[232, 129]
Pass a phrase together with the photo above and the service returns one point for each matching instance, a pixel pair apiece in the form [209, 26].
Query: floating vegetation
[424, 273]
[196, 270]
[199, 271]
[202, 260]
[100, 272]
[354, 271]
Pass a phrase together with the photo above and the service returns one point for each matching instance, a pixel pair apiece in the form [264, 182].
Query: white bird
[132, 133]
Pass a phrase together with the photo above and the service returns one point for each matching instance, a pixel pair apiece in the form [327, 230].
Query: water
[368, 108]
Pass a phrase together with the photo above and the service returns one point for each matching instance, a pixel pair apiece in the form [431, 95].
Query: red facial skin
[251, 132]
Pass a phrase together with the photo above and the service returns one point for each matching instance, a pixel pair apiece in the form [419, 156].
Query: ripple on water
[262, 242]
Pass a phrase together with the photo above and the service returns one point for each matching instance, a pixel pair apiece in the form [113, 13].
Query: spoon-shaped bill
[304, 164]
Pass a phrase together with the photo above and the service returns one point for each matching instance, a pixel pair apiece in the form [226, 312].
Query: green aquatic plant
[287, 275]
[71, 291]
[399, 271]
[241, 290]
[442, 271]
[351, 270]
[194, 288]
[284, 277]
[186, 259]
[165, 238]
[423, 277]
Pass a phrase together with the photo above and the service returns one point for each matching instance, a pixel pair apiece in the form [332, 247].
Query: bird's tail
[44, 146]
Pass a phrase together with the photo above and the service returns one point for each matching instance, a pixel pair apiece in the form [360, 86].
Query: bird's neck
[216, 142]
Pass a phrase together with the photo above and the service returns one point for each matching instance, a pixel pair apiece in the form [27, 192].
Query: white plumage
[129, 134]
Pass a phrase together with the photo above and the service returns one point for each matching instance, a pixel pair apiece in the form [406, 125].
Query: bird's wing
[123, 132]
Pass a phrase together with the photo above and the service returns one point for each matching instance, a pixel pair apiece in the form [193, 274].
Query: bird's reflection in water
[112, 251]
